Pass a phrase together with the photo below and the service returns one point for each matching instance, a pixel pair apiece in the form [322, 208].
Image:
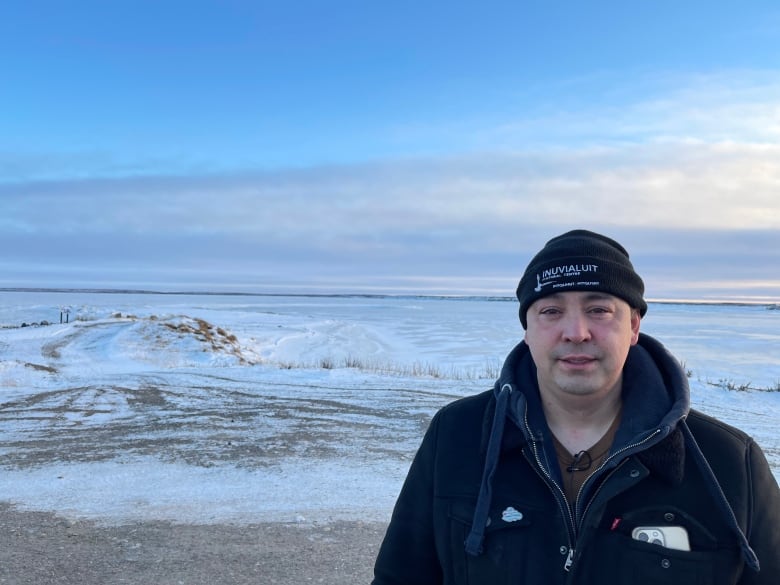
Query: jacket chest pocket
[514, 550]
[643, 563]
[644, 549]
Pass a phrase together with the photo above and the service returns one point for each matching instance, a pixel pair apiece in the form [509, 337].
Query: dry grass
[417, 369]
[215, 338]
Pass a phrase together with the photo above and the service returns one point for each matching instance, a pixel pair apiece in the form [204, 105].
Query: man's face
[579, 342]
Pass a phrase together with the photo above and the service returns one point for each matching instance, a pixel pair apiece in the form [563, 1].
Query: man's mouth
[577, 360]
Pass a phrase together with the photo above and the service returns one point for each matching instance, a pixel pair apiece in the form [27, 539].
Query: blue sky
[387, 146]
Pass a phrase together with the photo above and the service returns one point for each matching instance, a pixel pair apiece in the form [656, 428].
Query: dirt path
[39, 548]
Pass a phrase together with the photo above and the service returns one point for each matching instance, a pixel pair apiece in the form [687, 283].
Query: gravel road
[38, 548]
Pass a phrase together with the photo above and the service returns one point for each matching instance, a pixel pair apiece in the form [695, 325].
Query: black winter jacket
[482, 503]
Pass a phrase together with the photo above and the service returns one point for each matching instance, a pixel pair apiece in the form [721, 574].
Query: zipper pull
[569, 560]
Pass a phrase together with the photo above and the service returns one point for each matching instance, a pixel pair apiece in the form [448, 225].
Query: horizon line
[491, 297]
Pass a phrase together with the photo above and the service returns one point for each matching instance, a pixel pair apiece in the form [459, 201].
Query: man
[585, 463]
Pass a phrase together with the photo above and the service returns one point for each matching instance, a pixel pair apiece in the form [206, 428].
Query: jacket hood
[656, 402]
[655, 390]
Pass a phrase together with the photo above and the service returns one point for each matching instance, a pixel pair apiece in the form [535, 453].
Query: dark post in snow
[66, 312]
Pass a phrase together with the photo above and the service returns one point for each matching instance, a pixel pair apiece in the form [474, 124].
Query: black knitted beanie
[580, 260]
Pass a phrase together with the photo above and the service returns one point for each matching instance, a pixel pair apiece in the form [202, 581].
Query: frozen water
[209, 408]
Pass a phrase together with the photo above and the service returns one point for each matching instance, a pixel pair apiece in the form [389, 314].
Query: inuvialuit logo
[552, 276]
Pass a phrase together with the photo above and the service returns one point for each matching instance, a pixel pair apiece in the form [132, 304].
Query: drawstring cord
[720, 498]
[476, 536]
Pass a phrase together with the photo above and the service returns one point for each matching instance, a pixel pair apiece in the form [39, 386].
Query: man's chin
[579, 384]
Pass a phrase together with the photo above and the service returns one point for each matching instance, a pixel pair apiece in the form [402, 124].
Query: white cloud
[728, 105]
[697, 164]
[693, 185]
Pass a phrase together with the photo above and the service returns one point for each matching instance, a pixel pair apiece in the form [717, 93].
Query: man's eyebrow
[552, 297]
[599, 296]
[590, 296]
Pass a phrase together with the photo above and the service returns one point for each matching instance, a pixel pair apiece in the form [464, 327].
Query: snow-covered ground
[204, 408]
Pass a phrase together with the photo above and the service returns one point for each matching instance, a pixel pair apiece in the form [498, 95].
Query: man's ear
[636, 320]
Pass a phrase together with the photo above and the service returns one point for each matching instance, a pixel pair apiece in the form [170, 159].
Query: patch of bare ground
[217, 338]
[203, 425]
[41, 368]
[39, 548]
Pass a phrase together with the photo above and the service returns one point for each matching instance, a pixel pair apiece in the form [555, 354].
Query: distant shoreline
[454, 297]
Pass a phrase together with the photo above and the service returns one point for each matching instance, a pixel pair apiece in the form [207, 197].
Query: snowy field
[204, 408]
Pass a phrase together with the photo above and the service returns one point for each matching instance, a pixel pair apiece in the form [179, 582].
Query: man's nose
[575, 328]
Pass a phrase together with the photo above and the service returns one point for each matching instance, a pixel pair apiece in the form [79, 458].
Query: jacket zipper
[573, 525]
[542, 472]
[561, 499]
[569, 560]
[578, 525]
[607, 460]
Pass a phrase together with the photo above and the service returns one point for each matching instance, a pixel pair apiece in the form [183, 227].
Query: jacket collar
[655, 396]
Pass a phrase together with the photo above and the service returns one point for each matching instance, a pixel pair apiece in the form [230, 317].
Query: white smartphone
[674, 537]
